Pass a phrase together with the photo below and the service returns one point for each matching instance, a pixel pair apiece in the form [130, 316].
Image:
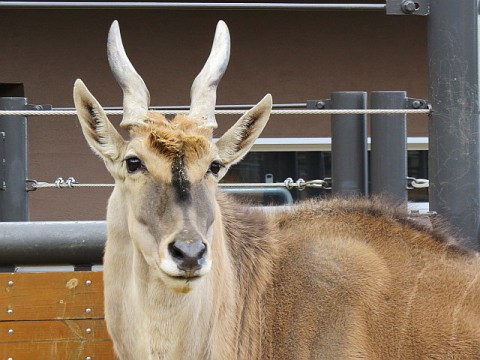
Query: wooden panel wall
[57, 315]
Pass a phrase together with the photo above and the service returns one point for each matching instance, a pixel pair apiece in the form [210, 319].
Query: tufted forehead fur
[179, 137]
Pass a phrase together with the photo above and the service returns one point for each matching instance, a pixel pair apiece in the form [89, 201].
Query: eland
[190, 273]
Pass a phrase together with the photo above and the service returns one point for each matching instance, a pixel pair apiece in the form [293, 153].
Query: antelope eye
[215, 167]
[133, 164]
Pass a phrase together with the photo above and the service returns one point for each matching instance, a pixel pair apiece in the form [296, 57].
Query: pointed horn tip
[222, 25]
[114, 32]
[115, 26]
[222, 29]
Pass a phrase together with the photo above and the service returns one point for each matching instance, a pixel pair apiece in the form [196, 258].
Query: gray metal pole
[14, 157]
[388, 155]
[454, 145]
[349, 144]
[185, 5]
[279, 194]
[52, 242]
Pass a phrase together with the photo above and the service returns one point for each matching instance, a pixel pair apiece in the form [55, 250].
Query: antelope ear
[99, 132]
[239, 139]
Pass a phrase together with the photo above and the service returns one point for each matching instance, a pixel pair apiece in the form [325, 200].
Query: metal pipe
[52, 242]
[186, 5]
[14, 158]
[388, 156]
[454, 126]
[282, 195]
[349, 144]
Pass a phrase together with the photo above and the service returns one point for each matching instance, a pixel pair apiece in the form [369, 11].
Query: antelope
[192, 274]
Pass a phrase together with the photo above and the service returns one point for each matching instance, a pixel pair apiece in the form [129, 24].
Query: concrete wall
[296, 55]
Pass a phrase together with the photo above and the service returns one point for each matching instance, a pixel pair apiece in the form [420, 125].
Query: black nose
[188, 254]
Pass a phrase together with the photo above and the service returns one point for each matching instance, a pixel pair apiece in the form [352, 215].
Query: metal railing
[187, 5]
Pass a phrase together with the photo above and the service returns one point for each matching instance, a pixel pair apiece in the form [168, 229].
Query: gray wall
[295, 56]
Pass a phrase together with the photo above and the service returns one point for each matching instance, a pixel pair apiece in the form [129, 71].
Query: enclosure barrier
[52, 242]
[389, 153]
[53, 315]
[391, 7]
[188, 5]
[172, 110]
[349, 144]
[82, 242]
[454, 127]
[14, 166]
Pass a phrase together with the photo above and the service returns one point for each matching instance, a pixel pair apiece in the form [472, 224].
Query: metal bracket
[318, 104]
[82, 267]
[29, 107]
[412, 103]
[7, 269]
[30, 185]
[408, 7]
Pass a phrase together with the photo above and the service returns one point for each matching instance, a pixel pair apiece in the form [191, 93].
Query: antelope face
[170, 170]
[167, 171]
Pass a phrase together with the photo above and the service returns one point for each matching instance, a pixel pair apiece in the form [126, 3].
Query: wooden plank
[54, 295]
[53, 331]
[67, 350]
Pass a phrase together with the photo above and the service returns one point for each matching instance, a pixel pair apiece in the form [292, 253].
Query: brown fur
[351, 279]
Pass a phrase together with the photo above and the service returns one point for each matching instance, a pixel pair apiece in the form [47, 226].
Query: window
[276, 166]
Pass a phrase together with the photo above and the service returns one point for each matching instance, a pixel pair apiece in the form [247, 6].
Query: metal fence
[454, 143]
[26, 242]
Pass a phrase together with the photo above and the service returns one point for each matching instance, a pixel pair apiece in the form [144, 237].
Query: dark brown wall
[293, 55]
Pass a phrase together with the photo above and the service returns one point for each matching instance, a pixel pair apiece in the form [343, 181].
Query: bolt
[11, 332]
[88, 310]
[9, 311]
[320, 104]
[88, 282]
[10, 359]
[417, 104]
[88, 358]
[88, 331]
[409, 6]
[10, 283]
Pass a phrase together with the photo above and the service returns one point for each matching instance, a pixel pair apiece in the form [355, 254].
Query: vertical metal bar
[14, 158]
[388, 155]
[454, 145]
[349, 144]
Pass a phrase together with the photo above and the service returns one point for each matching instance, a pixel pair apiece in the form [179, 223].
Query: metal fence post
[388, 156]
[454, 126]
[349, 144]
[14, 162]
